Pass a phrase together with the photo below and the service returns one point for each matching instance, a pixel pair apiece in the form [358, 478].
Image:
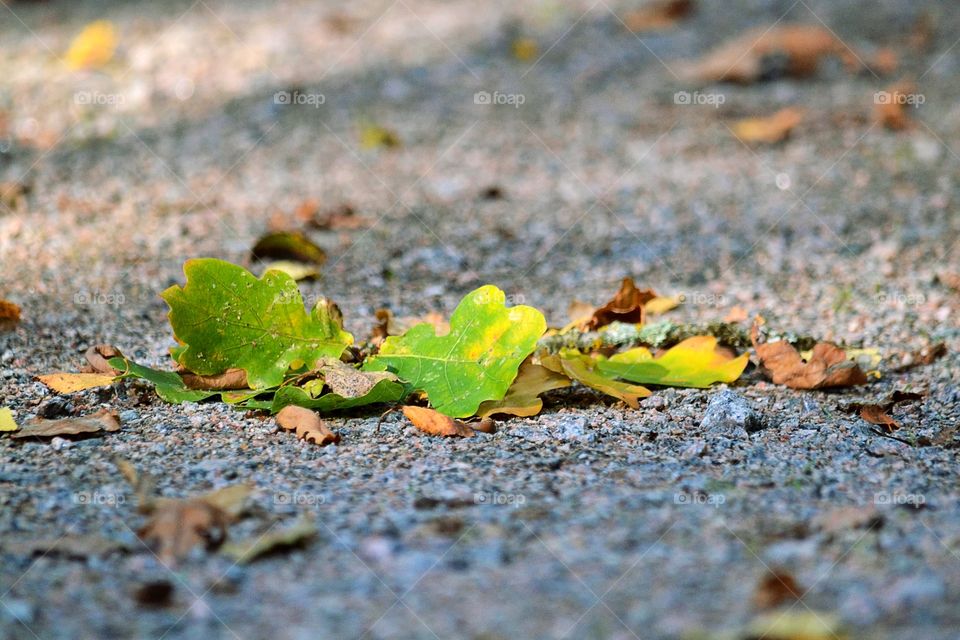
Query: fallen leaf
[736, 314]
[225, 318]
[695, 362]
[288, 245]
[582, 368]
[924, 356]
[477, 361]
[627, 305]
[93, 47]
[659, 15]
[892, 106]
[877, 414]
[296, 270]
[9, 315]
[661, 304]
[828, 365]
[435, 423]
[7, 423]
[97, 357]
[341, 217]
[103, 420]
[73, 382]
[770, 129]
[775, 588]
[374, 136]
[229, 379]
[525, 49]
[177, 526]
[248, 550]
[523, 397]
[307, 425]
[762, 53]
[796, 625]
[347, 381]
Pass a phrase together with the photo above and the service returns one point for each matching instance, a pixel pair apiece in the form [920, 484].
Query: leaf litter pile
[251, 343]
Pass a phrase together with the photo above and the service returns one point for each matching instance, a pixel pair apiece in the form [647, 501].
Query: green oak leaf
[383, 392]
[475, 362]
[225, 317]
[168, 384]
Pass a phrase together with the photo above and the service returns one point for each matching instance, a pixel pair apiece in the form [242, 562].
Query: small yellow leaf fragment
[73, 382]
[525, 49]
[661, 304]
[93, 47]
[771, 129]
[7, 423]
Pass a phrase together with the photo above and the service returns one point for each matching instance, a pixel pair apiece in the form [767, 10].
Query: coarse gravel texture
[591, 520]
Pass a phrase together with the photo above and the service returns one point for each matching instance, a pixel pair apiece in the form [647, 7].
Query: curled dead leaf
[9, 315]
[828, 365]
[228, 380]
[762, 53]
[627, 305]
[307, 425]
[771, 129]
[97, 357]
[435, 423]
[924, 356]
[101, 421]
[177, 526]
[288, 245]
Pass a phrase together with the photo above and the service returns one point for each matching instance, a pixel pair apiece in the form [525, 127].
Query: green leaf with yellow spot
[475, 362]
[225, 317]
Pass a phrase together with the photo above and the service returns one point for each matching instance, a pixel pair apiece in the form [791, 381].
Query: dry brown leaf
[97, 357]
[103, 420]
[662, 14]
[177, 526]
[775, 588]
[72, 382]
[627, 305]
[307, 425]
[892, 106]
[435, 423]
[9, 315]
[952, 280]
[927, 355]
[877, 414]
[828, 366]
[226, 381]
[339, 218]
[794, 50]
[736, 314]
[771, 129]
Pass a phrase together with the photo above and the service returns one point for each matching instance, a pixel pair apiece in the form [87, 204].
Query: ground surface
[590, 521]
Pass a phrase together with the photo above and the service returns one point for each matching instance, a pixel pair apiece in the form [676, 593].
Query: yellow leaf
[73, 382]
[523, 397]
[373, 136]
[582, 368]
[93, 47]
[695, 362]
[525, 49]
[7, 423]
[797, 625]
[661, 304]
[771, 129]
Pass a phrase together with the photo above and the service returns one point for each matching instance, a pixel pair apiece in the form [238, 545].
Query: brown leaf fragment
[736, 314]
[776, 587]
[877, 414]
[658, 15]
[924, 356]
[435, 423]
[349, 382]
[97, 357]
[828, 365]
[765, 53]
[101, 421]
[770, 129]
[342, 217]
[226, 381]
[307, 425]
[9, 315]
[177, 526]
[892, 106]
[288, 245]
[484, 425]
[627, 305]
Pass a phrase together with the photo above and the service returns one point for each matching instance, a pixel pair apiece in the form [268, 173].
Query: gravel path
[592, 520]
